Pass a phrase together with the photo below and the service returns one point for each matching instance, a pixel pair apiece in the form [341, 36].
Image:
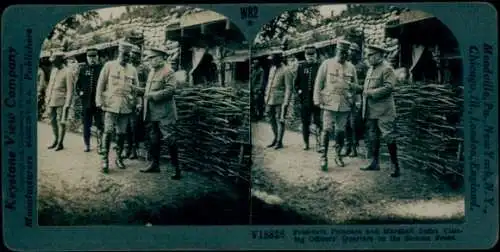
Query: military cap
[274, 53]
[155, 51]
[310, 49]
[354, 47]
[91, 51]
[56, 55]
[376, 48]
[173, 58]
[136, 49]
[125, 46]
[343, 45]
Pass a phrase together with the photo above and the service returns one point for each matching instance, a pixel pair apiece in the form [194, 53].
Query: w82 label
[249, 14]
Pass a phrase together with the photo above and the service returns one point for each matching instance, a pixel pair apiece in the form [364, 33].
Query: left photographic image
[143, 119]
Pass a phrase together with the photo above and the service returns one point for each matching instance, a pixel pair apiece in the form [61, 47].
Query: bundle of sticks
[213, 130]
[428, 124]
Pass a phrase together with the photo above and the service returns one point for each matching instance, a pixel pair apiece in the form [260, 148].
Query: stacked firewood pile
[213, 132]
[428, 128]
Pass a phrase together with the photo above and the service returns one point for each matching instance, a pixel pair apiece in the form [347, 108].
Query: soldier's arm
[356, 86]
[169, 85]
[42, 84]
[389, 79]
[139, 90]
[262, 79]
[69, 87]
[319, 82]
[101, 84]
[78, 83]
[296, 82]
[288, 87]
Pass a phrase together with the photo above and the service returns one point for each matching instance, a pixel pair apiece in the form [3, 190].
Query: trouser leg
[394, 159]
[306, 123]
[174, 160]
[55, 127]
[87, 124]
[348, 136]
[373, 136]
[154, 147]
[271, 113]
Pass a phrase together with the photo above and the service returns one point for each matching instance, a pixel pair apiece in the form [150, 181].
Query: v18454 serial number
[272, 234]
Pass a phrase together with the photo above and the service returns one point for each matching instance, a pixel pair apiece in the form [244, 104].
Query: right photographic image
[356, 118]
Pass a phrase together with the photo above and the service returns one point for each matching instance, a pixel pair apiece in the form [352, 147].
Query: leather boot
[99, 141]
[154, 150]
[281, 130]
[348, 149]
[120, 141]
[324, 158]
[374, 165]
[55, 132]
[106, 144]
[53, 145]
[274, 128]
[354, 151]
[62, 133]
[394, 160]
[339, 144]
[134, 153]
[174, 160]
[305, 136]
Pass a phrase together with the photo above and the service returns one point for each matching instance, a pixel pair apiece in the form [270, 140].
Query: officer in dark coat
[379, 109]
[86, 86]
[136, 126]
[160, 111]
[304, 87]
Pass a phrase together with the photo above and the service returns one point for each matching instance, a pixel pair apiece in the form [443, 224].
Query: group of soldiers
[117, 97]
[330, 96]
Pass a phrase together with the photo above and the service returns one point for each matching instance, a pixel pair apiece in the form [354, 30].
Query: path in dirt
[73, 191]
[292, 178]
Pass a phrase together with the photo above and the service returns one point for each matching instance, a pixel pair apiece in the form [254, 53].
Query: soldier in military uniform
[115, 96]
[41, 87]
[304, 86]
[379, 109]
[86, 87]
[353, 127]
[335, 84]
[257, 83]
[135, 125]
[59, 96]
[277, 98]
[160, 112]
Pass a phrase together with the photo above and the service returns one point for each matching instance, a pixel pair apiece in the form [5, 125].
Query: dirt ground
[290, 182]
[73, 191]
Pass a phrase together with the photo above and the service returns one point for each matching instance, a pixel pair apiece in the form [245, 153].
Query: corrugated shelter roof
[199, 18]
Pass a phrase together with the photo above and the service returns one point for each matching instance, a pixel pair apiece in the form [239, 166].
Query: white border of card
[474, 26]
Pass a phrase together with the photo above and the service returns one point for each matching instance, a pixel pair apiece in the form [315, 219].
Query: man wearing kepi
[304, 86]
[379, 110]
[86, 87]
[115, 96]
[278, 92]
[335, 84]
[160, 112]
[58, 99]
